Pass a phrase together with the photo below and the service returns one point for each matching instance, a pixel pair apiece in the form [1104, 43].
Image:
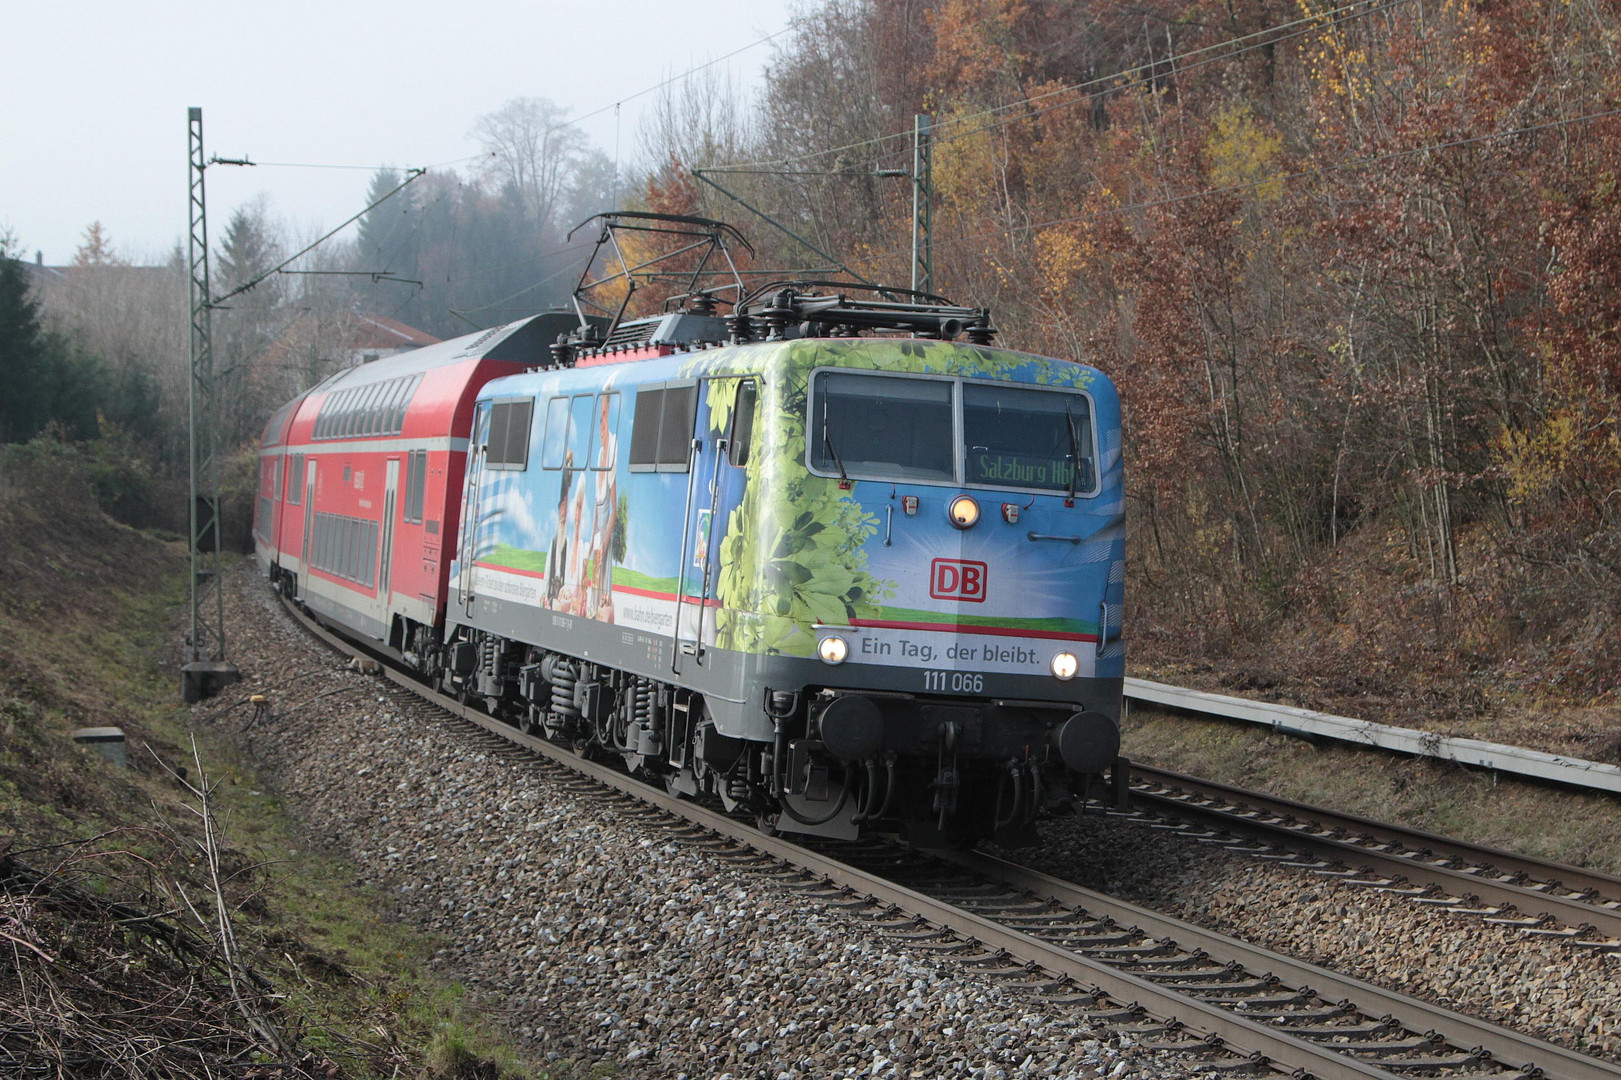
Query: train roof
[526, 341]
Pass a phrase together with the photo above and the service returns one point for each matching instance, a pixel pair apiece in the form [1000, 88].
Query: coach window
[416, 483]
[340, 405]
[323, 419]
[404, 403]
[396, 406]
[742, 436]
[346, 414]
[394, 414]
[374, 408]
[357, 411]
[357, 422]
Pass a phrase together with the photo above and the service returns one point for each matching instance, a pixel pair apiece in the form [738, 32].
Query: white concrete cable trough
[1288, 720]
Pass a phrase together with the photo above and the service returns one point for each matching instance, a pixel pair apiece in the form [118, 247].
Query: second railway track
[1189, 990]
[1537, 897]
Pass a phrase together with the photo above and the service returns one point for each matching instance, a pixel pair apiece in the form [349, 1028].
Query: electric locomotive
[838, 561]
[830, 557]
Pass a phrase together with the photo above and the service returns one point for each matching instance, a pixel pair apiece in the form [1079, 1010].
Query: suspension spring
[564, 677]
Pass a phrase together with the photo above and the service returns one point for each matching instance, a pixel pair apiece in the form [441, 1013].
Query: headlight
[963, 511]
[833, 649]
[1065, 665]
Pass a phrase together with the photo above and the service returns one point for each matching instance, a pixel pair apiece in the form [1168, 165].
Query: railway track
[1536, 897]
[1176, 987]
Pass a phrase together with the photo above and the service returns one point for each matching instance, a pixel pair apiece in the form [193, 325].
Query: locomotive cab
[964, 566]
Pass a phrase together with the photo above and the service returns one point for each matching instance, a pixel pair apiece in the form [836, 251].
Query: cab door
[718, 453]
[470, 506]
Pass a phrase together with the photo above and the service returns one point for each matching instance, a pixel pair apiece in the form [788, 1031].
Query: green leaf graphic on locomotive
[792, 553]
[948, 358]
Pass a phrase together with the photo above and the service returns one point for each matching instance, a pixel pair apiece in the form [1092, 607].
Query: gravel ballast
[1544, 988]
[595, 938]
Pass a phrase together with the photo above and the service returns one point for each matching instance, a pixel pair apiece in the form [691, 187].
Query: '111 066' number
[959, 682]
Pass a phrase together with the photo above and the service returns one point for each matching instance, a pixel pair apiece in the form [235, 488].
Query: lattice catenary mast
[206, 669]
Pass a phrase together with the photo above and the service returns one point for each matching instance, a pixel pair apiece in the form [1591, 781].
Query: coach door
[385, 582]
[304, 557]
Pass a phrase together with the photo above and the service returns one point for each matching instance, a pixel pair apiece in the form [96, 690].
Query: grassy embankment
[87, 639]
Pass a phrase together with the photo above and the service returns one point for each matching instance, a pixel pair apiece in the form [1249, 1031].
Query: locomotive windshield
[885, 427]
[1024, 438]
[881, 426]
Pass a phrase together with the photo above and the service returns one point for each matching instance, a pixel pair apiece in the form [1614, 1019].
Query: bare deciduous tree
[531, 147]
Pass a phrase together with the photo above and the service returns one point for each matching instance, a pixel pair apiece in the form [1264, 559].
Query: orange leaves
[977, 43]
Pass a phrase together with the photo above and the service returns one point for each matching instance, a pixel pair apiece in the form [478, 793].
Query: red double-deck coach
[360, 481]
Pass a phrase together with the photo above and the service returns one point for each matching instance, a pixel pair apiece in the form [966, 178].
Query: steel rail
[1505, 1045]
[1278, 1049]
[1573, 896]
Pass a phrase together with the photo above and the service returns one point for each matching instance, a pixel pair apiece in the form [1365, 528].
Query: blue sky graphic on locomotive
[588, 529]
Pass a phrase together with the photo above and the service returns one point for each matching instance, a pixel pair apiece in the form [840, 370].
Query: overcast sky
[93, 96]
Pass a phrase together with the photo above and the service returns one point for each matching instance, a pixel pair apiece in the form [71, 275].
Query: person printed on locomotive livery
[599, 603]
[558, 558]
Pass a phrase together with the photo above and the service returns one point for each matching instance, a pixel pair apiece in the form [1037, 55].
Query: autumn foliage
[1356, 267]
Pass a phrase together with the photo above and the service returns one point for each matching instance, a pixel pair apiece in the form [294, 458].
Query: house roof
[382, 332]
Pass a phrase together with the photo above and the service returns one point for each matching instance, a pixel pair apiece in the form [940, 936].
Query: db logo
[957, 579]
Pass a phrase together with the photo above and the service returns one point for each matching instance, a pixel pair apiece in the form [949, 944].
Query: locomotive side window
[1022, 438]
[675, 431]
[742, 437]
[605, 432]
[661, 431]
[881, 427]
[556, 444]
[644, 430]
[582, 431]
[508, 443]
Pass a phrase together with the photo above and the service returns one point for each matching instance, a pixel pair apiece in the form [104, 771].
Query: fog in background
[96, 96]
